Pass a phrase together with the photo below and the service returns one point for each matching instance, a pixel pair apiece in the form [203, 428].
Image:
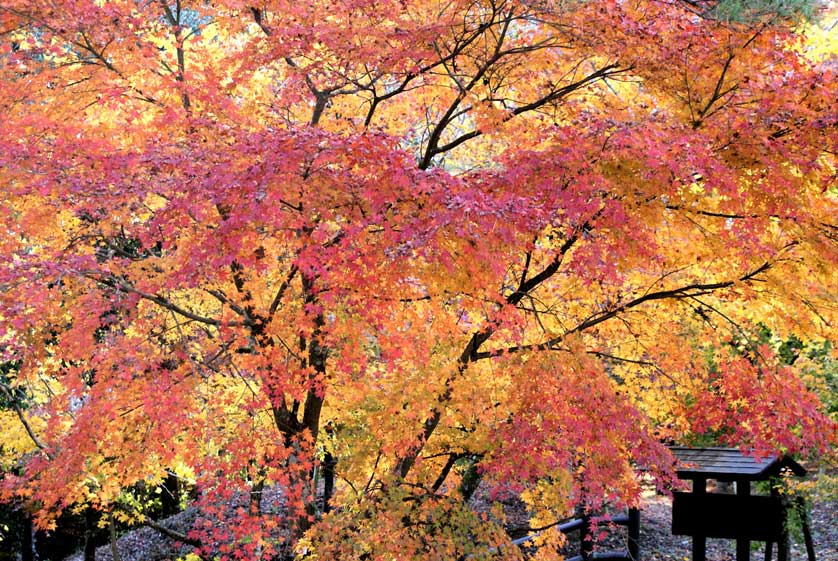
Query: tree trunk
[329, 463]
[89, 534]
[112, 533]
[26, 539]
[170, 496]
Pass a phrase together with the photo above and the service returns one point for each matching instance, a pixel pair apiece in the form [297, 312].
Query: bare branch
[169, 533]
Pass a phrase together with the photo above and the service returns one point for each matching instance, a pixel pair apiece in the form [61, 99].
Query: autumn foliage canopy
[420, 243]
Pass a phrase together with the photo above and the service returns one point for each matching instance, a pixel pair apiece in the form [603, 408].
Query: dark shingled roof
[729, 463]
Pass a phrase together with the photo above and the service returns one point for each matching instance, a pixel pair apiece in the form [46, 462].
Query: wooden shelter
[740, 516]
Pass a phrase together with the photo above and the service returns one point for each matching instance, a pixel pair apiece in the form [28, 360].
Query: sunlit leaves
[518, 242]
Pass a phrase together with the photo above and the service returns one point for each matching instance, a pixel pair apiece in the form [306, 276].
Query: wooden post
[783, 547]
[699, 542]
[586, 537]
[743, 546]
[634, 534]
[802, 508]
[783, 543]
[27, 538]
[768, 547]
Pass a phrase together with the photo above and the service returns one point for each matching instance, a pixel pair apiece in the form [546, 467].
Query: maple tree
[402, 245]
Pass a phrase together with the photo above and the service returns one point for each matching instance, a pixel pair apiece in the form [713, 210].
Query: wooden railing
[587, 527]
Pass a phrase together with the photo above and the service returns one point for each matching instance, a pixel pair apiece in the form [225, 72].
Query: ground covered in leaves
[656, 541]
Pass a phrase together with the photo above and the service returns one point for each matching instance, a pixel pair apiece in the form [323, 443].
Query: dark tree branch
[23, 420]
[433, 149]
[446, 469]
[123, 285]
[470, 352]
[717, 92]
[169, 533]
[687, 291]
[281, 291]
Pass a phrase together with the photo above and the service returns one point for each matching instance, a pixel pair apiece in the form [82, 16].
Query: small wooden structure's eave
[729, 464]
